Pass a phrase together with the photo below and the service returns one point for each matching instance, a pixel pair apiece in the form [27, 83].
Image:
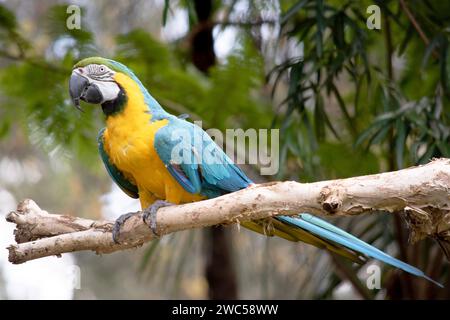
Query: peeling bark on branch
[422, 193]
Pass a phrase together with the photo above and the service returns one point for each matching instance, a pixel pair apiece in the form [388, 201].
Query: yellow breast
[129, 142]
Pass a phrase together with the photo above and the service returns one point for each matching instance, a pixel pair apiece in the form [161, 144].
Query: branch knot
[331, 198]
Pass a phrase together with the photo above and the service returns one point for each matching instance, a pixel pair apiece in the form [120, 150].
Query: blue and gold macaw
[141, 141]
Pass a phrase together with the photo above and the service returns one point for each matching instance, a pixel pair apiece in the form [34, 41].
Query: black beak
[80, 88]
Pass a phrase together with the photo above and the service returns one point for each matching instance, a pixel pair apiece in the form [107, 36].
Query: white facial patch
[103, 78]
[110, 90]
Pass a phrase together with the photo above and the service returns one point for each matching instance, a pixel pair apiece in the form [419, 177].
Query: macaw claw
[149, 214]
[119, 223]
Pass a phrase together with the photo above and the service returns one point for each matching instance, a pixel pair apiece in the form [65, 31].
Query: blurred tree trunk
[219, 269]
[202, 40]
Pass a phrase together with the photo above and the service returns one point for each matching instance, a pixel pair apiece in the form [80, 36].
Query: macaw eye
[102, 69]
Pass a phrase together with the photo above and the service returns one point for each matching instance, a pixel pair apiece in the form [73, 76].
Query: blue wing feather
[195, 160]
[327, 231]
[183, 179]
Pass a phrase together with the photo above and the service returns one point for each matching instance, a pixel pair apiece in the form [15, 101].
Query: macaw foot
[149, 214]
[119, 223]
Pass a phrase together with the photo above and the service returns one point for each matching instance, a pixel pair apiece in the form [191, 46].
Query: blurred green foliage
[389, 87]
[231, 88]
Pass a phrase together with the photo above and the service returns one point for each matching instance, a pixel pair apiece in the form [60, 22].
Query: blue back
[195, 160]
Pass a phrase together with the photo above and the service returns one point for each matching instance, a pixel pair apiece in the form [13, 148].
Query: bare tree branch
[422, 193]
[414, 22]
[246, 24]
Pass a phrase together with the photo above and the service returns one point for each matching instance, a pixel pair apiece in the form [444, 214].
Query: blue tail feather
[330, 232]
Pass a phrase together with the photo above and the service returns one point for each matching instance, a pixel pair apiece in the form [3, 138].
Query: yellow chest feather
[130, 146]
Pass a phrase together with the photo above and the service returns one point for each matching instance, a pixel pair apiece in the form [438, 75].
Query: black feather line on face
[115, 106]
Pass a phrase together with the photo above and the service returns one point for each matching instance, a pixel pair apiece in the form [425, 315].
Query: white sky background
[116, 202]
[177, 26]
[46, 278]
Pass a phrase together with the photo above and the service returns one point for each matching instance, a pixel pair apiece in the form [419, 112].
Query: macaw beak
[81, 88]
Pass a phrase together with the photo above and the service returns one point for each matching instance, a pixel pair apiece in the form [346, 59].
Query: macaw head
[107, 82]
[92, 81]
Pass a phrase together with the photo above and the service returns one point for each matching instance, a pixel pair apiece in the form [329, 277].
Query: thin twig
[414, 22]
[246, 24]
[416, 26]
